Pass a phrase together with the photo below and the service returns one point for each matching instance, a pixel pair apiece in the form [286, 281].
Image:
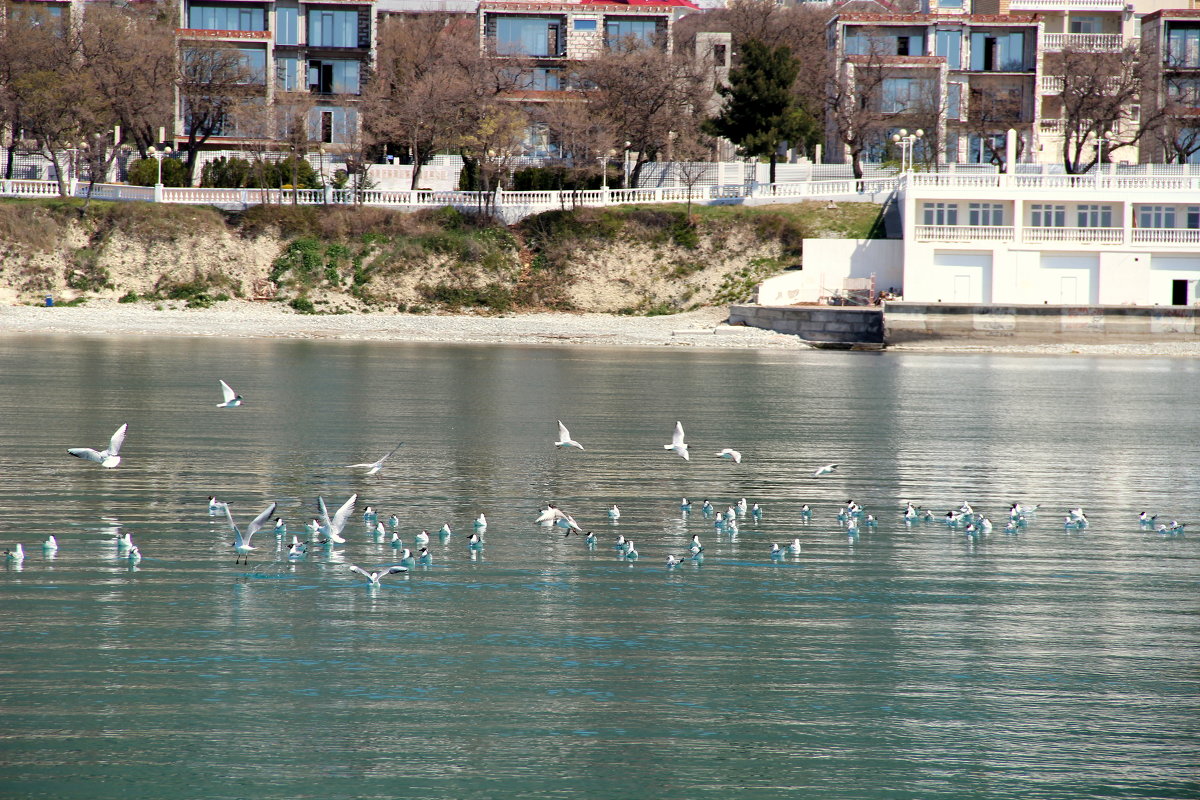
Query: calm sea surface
[904, 662]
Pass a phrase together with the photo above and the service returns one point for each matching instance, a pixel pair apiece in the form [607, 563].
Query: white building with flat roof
[1107, 238]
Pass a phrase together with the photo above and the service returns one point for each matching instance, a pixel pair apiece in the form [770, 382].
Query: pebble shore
[703, 328]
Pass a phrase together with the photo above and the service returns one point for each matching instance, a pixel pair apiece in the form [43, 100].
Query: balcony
[1074, 235]
[964, 233]
[1054, 84]
[1185, 236]
[1089, 42]
[203, 33]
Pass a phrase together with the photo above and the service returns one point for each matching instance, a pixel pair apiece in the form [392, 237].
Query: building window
[1156, 217]
[1092, 215]
[904, 94]
[998, 52]
[954, 93]
[332, 28]
[287, 25]
[226, 17]
[720, 58]
[1193, 218]
[1183, 45]
[255, 63]
[949, 47]
[986, 214]
[287, 73]
[987, 149]
[630, 30]
[333, 76]
[585, 24]
[529, 36]
[1045, 215]
[1086, 25]
[940, 213]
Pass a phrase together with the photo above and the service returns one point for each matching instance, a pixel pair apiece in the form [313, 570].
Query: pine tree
[760, 111]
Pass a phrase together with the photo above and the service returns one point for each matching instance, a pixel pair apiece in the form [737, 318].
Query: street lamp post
[158, 155]
[906, 141]
[1106, 139]
[625, 173]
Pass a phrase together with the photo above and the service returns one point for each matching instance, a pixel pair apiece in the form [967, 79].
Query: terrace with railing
[1089, 42]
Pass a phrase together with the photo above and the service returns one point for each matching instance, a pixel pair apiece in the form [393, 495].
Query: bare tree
[212, 80]
[645, 94]
[1176, 133]
[991, 111]
[129, 54]
[1098, 96]
[854, 98]
[493, 142]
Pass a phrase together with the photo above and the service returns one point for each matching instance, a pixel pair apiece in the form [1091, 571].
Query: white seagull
[333, 527]
[108, 458]
[825, 470]
[232, 398]
[241, 541]
[17, 554]
[564, 437]
[732, 455]
[373, 577]
[51, 544]
[677, 444]
[375, 466]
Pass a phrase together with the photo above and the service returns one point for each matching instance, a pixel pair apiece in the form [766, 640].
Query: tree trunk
[774, 156]
[856, 164]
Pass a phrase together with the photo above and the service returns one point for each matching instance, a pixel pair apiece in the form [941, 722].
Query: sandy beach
[703, 328]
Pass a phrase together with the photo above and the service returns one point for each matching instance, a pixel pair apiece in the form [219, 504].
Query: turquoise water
[904, 662]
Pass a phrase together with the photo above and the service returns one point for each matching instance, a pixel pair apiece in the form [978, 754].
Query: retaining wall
[900, 323]
[846, 326]
[925, 322]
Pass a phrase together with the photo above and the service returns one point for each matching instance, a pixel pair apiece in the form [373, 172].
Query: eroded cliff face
[346, 259]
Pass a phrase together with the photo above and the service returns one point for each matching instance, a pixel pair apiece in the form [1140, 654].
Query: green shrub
[129, 297]
[144, 172]
[303, 305]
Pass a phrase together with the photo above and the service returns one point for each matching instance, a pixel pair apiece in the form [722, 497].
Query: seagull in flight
[373, 577]
[333, 527]
[564, 437]
[241, 541]
[825, 470]
[232, 398]
[375, 466]
[732, 455]
[108, 458]
[677, 444]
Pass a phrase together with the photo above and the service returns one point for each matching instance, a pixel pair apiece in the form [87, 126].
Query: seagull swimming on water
[108, 458]
[241, 541]
[231, 398]
[375, 466]
[564, 437]
[677, 444]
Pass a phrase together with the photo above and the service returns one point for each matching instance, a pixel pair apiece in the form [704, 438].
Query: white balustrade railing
[1074, 235]
[1188, 236]
[29, 188]
[964, 233]
[1066, 5]
[1090, 42]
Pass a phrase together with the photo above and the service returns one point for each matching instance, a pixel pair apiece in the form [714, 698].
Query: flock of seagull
[326, 530]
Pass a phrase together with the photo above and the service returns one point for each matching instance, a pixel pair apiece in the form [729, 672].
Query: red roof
[676, 3]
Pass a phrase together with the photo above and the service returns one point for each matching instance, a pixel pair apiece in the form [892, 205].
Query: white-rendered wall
[828, 262]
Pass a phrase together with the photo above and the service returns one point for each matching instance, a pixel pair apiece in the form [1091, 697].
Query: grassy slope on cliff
[648, 259]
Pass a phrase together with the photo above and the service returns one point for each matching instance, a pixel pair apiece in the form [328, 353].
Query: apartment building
[315, 50]
[963, 79]
[1170, 46]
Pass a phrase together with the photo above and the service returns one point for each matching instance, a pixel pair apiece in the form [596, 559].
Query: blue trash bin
[49, 302]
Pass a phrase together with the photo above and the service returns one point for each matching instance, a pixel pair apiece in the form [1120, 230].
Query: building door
[962, 289]
[1179, 292]
[1069, 290]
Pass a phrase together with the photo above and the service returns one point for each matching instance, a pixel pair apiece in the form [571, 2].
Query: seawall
[907, 323]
